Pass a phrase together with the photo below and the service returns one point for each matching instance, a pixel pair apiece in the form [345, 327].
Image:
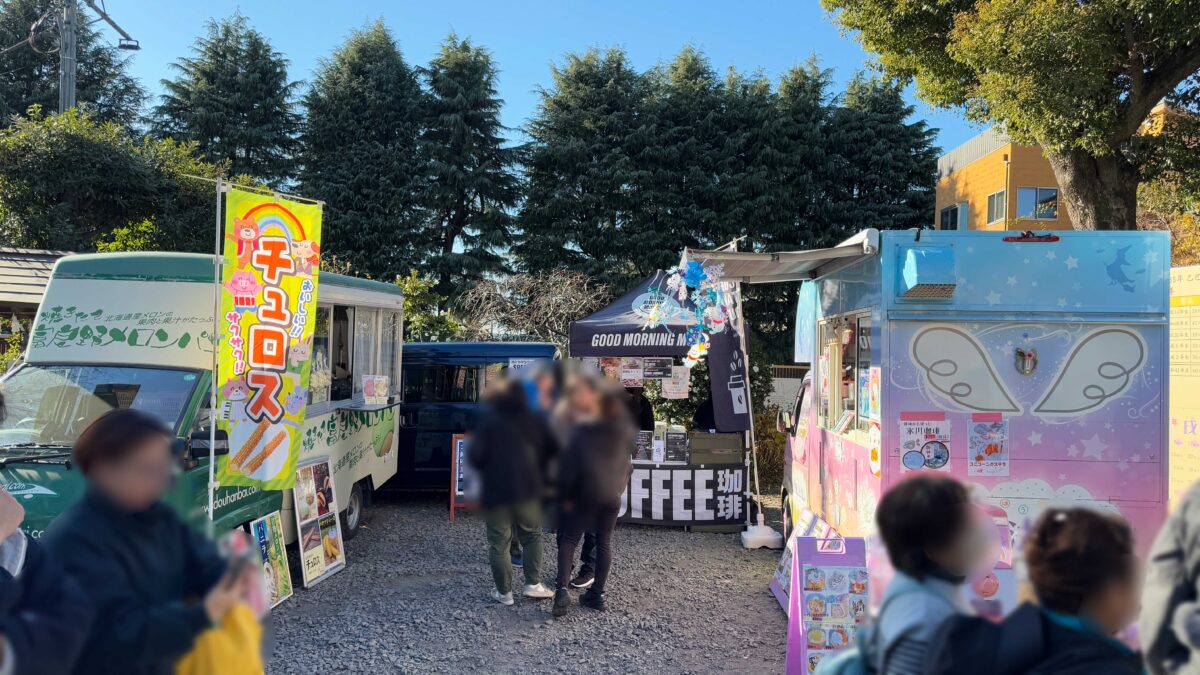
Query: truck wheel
[786, 506]
[352, 516]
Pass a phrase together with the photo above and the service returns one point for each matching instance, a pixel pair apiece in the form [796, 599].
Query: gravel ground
[414, 599]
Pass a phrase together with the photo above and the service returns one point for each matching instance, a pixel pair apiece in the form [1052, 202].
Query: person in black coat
[594, 472]
[1084, 572]
[154, 582]
[640, 408]
[509, 449]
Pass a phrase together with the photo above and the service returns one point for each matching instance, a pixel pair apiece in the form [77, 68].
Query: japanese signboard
[267, 533]
[685, 495]
[987, 445]
[924, 441]
[321, 549]
[1184, 430]
[268, 300]
[464, 488]
[824, 616]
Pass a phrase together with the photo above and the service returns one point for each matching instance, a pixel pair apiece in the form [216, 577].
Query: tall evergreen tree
[471, 181]
[581, 208]
[360, 153]
[234, 99]
[29, 73]
[886, 166]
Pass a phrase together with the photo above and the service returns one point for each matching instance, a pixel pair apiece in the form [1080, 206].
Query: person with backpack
[1084, 573]
[929, 527]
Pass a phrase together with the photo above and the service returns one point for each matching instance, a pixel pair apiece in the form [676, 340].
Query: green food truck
[135, 330]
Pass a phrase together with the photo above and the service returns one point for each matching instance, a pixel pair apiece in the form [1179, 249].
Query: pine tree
[29, 73]
[471, 182]
[886, 166]
[581, 209]
[360, 153]
[234, 99]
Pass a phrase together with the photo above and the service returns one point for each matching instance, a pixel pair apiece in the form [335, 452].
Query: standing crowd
[120, 584]
[563, 451]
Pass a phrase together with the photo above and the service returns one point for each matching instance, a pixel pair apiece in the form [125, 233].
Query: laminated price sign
[268, 301]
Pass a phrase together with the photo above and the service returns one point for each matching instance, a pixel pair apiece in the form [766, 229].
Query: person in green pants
[510, 448]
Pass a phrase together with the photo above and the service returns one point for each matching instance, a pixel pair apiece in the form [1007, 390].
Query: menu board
[321, 549]
[267, 533]
[657, 367]
[1183, 433]
[641, 447]
[463, 484]
[829, 599]
[676, 450]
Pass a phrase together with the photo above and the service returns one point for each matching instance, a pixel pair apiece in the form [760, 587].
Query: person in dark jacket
[1084, 573]
[594, 473]
[154, 582]
[640, 409]
[1169, 625]
[42, 622]
[510, 449]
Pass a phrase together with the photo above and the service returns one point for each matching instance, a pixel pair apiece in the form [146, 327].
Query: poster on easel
[829, 600]
[322, 552]
[464, 487]
[808, 525]
[267, 533]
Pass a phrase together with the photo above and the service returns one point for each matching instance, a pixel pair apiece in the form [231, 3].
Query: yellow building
[991, 183]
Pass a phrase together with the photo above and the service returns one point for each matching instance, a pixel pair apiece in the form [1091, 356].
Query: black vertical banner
[730, 381]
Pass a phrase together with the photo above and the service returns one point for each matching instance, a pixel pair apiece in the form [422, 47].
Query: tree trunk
[1100, 193]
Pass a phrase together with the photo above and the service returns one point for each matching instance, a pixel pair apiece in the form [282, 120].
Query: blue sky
[525, 36]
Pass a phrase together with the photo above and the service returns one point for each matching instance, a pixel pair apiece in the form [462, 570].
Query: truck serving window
[53, 404]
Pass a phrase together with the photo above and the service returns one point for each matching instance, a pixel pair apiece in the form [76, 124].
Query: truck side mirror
[783, 422]
[198, 446]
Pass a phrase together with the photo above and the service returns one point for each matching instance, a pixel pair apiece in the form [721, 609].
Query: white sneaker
[505, 599]
[538, 592]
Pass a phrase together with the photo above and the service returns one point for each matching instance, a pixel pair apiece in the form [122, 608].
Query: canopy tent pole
[212, 402]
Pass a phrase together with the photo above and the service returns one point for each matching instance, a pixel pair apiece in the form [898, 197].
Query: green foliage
[470, 179]
[624, 169]
[68, 182]
[1078, 78]
[234, 100]
[360, 154]
[11, 354]
[29, 77]
[424, 320]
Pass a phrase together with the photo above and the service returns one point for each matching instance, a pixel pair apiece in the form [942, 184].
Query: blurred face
[968, 549]
[545, 389]
[138, 480]
[1116, 605]
[584, 400]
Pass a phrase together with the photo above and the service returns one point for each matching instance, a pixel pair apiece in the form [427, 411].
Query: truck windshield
[52, 405]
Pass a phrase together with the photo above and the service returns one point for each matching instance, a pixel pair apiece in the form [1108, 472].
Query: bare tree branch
[540, 306]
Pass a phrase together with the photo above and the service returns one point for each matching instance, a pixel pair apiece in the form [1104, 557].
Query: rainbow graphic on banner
[268, 299]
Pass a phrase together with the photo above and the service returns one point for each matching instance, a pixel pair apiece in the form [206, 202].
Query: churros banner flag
[268, 303]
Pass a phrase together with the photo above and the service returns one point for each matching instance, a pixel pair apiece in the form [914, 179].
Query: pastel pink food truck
[1033, 367]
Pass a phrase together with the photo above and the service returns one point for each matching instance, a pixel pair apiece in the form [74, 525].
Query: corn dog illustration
[255, 463]
[249, 446]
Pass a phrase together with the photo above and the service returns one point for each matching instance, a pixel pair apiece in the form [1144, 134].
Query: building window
[949, 218]
[996, 207]
[1037, 203]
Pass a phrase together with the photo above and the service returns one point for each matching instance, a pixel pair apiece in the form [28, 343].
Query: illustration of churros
[248, 447]
[255, 463]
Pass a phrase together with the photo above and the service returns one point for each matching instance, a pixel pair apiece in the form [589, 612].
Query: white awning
[749, 267]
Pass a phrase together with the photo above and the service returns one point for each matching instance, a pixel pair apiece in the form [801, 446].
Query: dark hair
[614, 401]
[3, 410]
[114, 435]
[921, 513]
[1072, 554]
[508, 397]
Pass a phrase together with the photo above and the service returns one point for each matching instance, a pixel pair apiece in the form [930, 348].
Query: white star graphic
[1073, 451]
[1071, 262]
[1062, 476]
[1136, 458]
[1034, 284]
[1035, 438]
[1094, 447]
[1108, 426]
[1122, 465]
[970, 249]
[1062, 302]
[1012, 281]
[1150, 258]
[1077, 286]
[1051, 255]
[993, 298]
[1026, 261]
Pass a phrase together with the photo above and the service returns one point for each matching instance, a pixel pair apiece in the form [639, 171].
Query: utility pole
[67, 64]
[66, 56]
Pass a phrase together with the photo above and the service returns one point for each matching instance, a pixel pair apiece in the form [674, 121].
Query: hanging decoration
[710, 306]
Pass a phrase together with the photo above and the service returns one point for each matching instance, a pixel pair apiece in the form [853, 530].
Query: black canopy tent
[620, 328]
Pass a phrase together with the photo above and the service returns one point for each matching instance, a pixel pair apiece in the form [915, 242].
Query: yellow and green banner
[268, 303]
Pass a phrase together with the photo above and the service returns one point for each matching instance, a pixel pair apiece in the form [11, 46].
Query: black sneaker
[562, 602]
[594, 600]
[583, 580]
